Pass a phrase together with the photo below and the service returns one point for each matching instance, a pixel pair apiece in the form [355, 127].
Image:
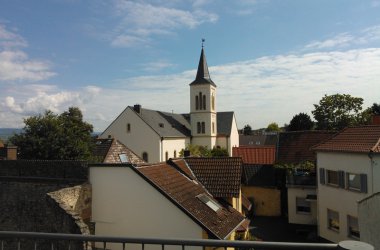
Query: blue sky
[269, 59]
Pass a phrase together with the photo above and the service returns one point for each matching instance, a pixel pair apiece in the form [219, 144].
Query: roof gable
[185, 193]
[256, 155]
[295, 147]
[363, 139]
[220, 175]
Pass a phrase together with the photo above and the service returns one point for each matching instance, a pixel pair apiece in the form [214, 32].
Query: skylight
[209, 202]
[123, 158]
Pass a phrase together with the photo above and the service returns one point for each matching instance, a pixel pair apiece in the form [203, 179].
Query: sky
[270, 59]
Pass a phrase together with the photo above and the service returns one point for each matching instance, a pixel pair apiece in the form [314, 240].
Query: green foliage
[273, 127]
[247, 130]
[202, 151]
[335, 112]
[299, 122]
[307, 166]
[55, 137]
[375, 108]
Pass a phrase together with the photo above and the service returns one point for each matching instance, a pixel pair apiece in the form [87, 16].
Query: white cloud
[137, 25]
[15, 65]
[340, 40]
[157, 66]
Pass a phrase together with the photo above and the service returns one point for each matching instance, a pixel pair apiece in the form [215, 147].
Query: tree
[247, 130]
[273, 127]
[375, 108]
[202, 151]
[55, 137]
[335, 112]
[301, 121]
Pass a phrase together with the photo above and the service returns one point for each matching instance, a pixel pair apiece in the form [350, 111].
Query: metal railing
[36, 241]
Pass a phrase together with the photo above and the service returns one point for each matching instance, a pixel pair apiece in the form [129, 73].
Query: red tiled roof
[256, 155]
[220, 175]
[183, 192]
[355, 139]
[295, 147]
[108, 151]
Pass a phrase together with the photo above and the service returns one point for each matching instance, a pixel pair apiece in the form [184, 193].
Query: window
[213, 127]
[175, 153]
[128, 128]
[209, 202]
[353, 181]
[199, 129]
[203, 127]
[200, 101]
[332, 177]
[333, 220]
[302, 205]
[353, 227]
[204, 102]
[123, 158]
[161, 125]
[166, 155]
[196, 102]
[145, 156]
[213, 101]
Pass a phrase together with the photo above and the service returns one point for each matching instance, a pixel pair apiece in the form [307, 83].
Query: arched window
[213, 127]
[128, 128]
[166, 155]
[200, 101]
[203, 127]
[204, 102]
[196, 102]
[213, 101]
[175, 153]
[199, 129]
[145, 156]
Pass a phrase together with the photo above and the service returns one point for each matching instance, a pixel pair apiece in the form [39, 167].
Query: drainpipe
[370, 155]
[162, 149]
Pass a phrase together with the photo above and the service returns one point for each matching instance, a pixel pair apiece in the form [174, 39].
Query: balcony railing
[301, 180]
[36, 241]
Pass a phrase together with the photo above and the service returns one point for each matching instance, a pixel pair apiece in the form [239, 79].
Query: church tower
[203, 106]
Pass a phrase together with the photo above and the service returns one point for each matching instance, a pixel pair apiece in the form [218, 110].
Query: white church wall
[173, 146]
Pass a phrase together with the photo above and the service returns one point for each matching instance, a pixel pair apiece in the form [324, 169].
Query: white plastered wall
[338, 199]
[126, 205]
[173, 144]
[301, 218]
[141, 137]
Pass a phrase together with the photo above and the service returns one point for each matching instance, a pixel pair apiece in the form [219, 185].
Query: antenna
[203, 41]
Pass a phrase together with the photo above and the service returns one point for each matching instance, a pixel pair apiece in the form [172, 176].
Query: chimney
[186, 153]
[11, 152]
[375, 119]
[137, 108]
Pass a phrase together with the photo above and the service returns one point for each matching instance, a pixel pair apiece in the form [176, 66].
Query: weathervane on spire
[203, 41]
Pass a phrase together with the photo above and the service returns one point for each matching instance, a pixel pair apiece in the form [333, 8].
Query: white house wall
[301, 218]
[369, 220]
[376, 172]
[234, 137]
[170, 145]
[141, 137]
[339, 199]
[124, 204]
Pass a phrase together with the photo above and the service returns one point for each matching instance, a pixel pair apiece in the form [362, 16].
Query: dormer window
[209, 202]
[123, 158]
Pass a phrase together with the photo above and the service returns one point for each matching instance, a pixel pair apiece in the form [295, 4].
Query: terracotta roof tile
[184, 192]
[295, 147]
[109, 151]
[354, 139]
[220, 175]
[256, 155]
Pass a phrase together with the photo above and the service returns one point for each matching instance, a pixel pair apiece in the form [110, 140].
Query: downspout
[162, 148]
[370, 155]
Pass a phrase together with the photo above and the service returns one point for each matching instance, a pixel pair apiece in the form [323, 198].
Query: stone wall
[24, 201]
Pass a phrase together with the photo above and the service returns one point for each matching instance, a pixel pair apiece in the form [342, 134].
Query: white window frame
[333, 215]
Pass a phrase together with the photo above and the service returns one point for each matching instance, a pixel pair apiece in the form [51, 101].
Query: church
[157, 136]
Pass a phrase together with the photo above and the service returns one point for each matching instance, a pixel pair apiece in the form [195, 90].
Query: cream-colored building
[151, 201]
[348, 171]
[157, 136]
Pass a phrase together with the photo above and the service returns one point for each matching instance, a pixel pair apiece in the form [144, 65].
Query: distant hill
[5, 133]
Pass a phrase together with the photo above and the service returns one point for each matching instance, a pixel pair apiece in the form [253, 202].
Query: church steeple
[203, 76]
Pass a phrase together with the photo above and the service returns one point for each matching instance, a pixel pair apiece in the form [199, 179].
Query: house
[8, 151]
[348, 171]
[258, 139]
[220, 175]
[157, 200]
[260, 155]
[111, 150]
[157, 136]
[295, 154]
[369, 221]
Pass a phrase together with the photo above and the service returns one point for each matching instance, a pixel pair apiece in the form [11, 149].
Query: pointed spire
[203, 76]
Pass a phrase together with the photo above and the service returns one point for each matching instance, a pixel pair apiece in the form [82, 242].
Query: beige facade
[301, 209]
[339, 178]
[267, 201]
[124, 204]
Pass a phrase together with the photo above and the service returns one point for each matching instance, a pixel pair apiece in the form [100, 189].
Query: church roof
[203, 76]
[167, 124]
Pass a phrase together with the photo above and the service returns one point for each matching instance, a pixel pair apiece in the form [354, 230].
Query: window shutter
[363, 183]
[322, 176]
[341, 179]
